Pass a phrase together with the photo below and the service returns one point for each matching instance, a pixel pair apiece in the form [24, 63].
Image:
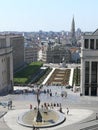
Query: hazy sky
[48, 15]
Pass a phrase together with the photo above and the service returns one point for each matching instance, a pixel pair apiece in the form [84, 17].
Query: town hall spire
[73, 37]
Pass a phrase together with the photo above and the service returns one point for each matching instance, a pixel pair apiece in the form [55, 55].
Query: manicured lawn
[25, 75]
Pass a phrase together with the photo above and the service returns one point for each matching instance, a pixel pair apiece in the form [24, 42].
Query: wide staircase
[59, 77]
[94, 127]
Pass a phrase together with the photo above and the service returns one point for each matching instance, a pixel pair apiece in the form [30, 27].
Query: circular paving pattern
[49, 119]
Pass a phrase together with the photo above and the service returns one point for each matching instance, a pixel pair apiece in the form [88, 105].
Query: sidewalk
[73, 117]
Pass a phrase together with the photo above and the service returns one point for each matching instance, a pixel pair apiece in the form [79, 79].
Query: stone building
[75, 54]
[6, 65]
[44, 53]
[56, 54]
[17, 42]
[31, 53]
[89, 64]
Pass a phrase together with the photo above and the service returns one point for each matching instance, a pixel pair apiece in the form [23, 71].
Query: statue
[63, 62]
[39, 116]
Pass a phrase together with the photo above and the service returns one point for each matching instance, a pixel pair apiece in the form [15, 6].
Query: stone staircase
[94, 127]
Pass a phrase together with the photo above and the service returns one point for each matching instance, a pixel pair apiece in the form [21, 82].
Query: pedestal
[39, 117]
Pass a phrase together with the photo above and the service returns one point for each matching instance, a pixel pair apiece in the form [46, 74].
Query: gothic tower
[73, 37]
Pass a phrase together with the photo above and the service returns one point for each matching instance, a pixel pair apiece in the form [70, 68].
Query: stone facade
[89, 64]
[17, 42]
[56, 54]
[31, 53]
[6, 65]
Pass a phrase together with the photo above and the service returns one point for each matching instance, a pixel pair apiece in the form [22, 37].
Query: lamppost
[39, 116]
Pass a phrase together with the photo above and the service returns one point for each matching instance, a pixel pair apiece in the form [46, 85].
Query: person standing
[30, 106]
[33, 127]
[67, 111]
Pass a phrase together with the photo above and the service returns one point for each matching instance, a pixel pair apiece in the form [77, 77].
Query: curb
[3, 113]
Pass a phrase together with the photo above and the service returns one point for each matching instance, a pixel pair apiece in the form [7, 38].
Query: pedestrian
[57, 104]
[30, 106]
[67, 111]
[8, 105]
[34, 128]
[61, 110]
[11, 104]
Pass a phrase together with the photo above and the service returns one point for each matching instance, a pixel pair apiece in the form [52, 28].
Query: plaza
[82, 109]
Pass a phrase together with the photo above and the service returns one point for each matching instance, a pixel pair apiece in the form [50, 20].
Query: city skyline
[48, 15]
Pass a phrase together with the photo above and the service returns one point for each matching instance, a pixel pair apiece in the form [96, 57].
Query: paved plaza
[82, 109]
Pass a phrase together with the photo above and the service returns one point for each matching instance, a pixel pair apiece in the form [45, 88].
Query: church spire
[73, 27]
[73, 37]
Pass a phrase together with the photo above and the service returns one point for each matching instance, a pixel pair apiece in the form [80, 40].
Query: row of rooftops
[10, 35]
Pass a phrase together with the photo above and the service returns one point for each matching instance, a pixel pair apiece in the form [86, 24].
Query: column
[90, 62]
[82, 76]
[89, 43]
[97, 78]
[94, 43]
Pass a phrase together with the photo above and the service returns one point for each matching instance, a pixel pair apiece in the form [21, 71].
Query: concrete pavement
[73, 117]
[82, 110]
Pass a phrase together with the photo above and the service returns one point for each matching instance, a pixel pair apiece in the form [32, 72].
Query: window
[86, 43]
[86, 90]
[91, 43]
[2, 43]
[86, 72]
[94, 72]
[96, 43]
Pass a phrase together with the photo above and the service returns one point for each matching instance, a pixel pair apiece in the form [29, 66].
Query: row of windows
[2, 42]
[3, 60]
[91, 46]
[94, 67]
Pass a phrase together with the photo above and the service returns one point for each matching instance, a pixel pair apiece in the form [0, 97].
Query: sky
[48, 15]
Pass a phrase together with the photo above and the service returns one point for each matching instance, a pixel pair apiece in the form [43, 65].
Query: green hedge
[25, 75]
[76, 77]
[42, 77]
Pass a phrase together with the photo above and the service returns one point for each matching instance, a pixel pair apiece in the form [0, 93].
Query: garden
[25, 75]
[76, 77]
[59, 77]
